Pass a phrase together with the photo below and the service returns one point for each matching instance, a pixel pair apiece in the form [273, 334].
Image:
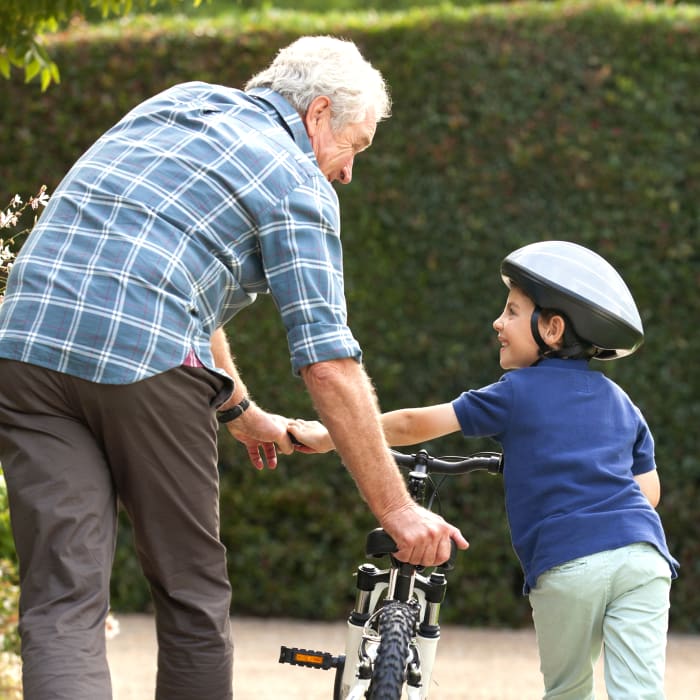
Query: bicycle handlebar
[489, 461]
[379, 542]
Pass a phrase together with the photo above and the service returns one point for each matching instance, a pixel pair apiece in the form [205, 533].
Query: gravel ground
[472, 664]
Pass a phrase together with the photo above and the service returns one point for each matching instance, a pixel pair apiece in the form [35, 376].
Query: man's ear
[318, 111]
[554, 329]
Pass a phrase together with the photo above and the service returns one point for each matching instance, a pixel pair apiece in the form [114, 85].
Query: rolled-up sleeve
[303, 261]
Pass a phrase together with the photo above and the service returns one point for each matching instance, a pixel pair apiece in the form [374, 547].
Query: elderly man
[115, 367]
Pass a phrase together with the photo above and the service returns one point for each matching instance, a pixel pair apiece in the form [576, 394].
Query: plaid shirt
[173, 221]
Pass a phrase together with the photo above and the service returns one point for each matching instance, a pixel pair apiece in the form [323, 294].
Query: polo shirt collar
[579, 364]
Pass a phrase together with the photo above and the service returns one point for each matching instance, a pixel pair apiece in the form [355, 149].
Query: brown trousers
[69, 449]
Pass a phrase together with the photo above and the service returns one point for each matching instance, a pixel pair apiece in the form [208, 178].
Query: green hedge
[511, 124]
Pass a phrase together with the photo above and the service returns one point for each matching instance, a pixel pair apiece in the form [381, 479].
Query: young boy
[580, 477]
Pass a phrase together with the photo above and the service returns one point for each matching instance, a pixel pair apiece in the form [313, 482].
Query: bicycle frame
[416, 596]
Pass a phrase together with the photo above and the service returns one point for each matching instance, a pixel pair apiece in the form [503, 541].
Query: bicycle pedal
[308, 658]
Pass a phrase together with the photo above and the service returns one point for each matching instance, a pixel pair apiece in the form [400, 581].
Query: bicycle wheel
[397, 625]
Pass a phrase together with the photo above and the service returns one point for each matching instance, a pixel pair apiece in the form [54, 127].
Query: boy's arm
[651, 486]
[410, 426]
[406, 426]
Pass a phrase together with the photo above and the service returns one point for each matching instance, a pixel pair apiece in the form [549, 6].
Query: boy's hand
[312, 436]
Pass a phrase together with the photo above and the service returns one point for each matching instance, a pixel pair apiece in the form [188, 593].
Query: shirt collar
[289, 116]
[579, 364]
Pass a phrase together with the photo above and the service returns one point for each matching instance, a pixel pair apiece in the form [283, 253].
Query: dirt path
[472, 664]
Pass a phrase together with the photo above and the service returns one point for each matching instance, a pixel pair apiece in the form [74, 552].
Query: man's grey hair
[323, 65]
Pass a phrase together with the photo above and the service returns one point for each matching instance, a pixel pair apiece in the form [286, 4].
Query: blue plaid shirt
[172, 222]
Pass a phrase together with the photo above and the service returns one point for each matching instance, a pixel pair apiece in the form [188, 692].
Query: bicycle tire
[397, 625]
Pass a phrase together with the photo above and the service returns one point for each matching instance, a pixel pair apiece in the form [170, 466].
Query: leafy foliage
[23, 21]
[578, 121]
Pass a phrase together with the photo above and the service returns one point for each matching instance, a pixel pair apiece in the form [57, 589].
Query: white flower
[111, 626]
[7, 219]
[41, 198]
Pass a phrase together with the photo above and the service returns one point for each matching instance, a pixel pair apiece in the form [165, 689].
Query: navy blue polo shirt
[572, 442]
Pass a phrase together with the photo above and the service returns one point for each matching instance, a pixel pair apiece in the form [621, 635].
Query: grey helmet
[585, 287]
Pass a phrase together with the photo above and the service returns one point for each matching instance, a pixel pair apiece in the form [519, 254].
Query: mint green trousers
[616, 602]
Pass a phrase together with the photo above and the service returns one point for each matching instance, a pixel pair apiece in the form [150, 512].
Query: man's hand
[257, 430]
[422, 537]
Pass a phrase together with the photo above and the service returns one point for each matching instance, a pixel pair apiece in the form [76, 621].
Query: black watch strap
[232, 413]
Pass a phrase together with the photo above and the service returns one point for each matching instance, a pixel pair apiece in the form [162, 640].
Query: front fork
[401, 582]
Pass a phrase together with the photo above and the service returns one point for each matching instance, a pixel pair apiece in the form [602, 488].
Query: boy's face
[518, 347]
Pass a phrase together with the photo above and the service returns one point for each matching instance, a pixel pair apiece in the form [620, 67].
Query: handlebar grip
[380, 543]
[450, 563]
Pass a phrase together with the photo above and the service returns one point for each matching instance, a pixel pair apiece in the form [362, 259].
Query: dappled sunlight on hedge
[578, 121]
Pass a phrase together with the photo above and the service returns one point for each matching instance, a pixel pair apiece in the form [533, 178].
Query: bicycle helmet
[583, 286]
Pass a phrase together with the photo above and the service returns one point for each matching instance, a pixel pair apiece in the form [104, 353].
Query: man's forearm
[346, 403]
[224, 360]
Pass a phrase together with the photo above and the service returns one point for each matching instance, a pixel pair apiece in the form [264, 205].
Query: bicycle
[393, 629]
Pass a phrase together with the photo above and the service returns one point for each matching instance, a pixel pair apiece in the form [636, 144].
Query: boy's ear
[554, 331]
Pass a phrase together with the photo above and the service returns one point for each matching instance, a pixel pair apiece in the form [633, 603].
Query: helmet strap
[534, 327]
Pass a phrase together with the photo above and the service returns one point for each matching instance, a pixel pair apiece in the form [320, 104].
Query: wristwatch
[232, 413]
